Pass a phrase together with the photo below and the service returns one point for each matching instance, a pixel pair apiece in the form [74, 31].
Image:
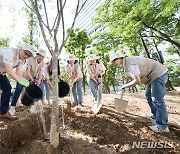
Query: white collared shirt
[8, 57]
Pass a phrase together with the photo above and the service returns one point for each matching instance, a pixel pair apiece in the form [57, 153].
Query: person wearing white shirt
[95, 71]
[12, 58]
[74, 73]
[35, 71]
[154, 75]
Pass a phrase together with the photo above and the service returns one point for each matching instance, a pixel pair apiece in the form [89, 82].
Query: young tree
[50, 32]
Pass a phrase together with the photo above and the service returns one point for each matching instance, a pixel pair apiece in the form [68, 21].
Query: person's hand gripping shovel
[120, 104]
[97, 104]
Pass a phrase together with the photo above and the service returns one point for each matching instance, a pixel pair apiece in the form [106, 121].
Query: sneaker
[12, 110]
[157, 128]
[152, 118]
[80, 105]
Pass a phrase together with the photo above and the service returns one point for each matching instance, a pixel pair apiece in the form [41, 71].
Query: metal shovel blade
[96, 107]
[120, 105]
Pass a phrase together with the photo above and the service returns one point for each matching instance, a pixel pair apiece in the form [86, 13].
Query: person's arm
[91, 76]
[134, 73]
[19, 72]
[76, 79]
[40, 74]
[28, 72]
[136, 80]
[10, 71]
[49, 83]
[69, 73]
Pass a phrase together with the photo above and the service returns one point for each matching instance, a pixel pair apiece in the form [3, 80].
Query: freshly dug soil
[108, 132]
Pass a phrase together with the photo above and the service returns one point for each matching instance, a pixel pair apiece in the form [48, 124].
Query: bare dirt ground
[109, 132]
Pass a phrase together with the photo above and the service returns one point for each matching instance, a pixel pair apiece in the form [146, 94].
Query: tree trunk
[113, 86]
[145, 48]
[168, 84]
[84, 78]
[54, 130]
[106, 87]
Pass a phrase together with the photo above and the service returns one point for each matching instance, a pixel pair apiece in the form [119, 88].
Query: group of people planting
[30, 68]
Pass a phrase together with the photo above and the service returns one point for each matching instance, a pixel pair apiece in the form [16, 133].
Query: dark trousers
[16, 94]
[6, 93]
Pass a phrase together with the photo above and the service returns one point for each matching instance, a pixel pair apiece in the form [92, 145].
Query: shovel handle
[122, 93]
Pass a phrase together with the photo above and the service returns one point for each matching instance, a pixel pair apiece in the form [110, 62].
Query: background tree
[173, 66]
[50, 33]
[131, 18]
[34, 34]
[4, 42]
[137, 27]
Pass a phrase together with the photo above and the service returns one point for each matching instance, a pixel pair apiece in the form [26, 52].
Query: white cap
[28, 47]
[42, 52]
[113, 56]
[92, 57]
[72, 57]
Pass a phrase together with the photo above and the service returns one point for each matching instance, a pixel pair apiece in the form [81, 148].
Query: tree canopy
[129, 19]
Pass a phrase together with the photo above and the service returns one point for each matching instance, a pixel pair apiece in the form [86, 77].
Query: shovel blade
[120, 105]
[96, 108]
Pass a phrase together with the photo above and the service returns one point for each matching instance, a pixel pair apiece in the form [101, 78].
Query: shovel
[97, 106]
[71, 97]
[120, 104]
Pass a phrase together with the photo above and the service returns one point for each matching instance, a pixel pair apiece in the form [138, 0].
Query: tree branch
[73, 23]
[45, 10]
[163, 34]
[62, 16]
[57, 15]
[35, 6]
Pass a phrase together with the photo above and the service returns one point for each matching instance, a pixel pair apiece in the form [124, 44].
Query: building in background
[84, 19]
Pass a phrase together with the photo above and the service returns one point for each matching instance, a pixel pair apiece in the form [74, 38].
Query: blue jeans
[6, 94]
[97, 94]
[155, 96]
[77, 95]
[16, 94]
[46, 90]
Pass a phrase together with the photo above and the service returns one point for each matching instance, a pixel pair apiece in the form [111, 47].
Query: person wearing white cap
[154, 75]
[12, 58]
[95, 70]
[26, 75]
[35, 70]
[35, 65]
[73, 70]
